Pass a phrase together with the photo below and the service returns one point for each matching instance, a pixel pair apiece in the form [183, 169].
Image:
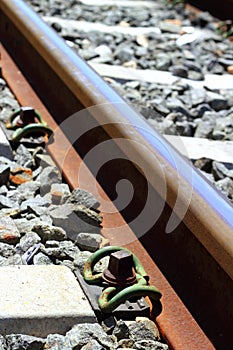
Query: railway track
[174, 221]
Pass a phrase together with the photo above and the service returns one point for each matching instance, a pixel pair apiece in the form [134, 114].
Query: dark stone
[121, 330]
[179, 71]
[24, 342]
[4, 174]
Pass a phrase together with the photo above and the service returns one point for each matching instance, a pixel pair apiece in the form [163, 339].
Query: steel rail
[174, 312]
[204, 236]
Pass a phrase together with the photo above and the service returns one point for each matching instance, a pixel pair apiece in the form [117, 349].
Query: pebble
[92, 242]
[81, 334]
[83, 197]
[28, 241]
[49, 232]
[9, 232]
[75, 218]
[20, 341]
[47, 177]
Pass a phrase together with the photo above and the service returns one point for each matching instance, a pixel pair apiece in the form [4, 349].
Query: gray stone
[80, 335]
[3, 345]
[23, 157]
[93, 345]
[27, 241]
[6, 250]
[9, 232]
[25, 225]
[31, 188]
[60, 193]
[163, 61]
[223, 127]
[179, 71]
[3, 190]
[132, 95]
[103, 50]
[125, 344]
[124, 54]
[220, 171]
[12, 261]
[57, 342]
[165, 127]
[36, 201]
[75, 219]
[65, 250]
[51, 244]
[11, 163]
[150, 345]
[206, 125]
[37, 210]
[183, 128]
[197, 96]
[49, 232]
[81, 259]
[87, 241]
[176, 105]
[42, 259]
[216, 101]
[225, 186]
[199, 111]
[6, 202]
[67, 263]
[13, 213]
[70, 249]
[88, 53]
[47, 177]
[101, 265]
[24, 342]
[108, 324]
[83, 197]
[43, 160]
[194, 75]
[144, 329]
[121, 330]
[169, 27]
[4, 174]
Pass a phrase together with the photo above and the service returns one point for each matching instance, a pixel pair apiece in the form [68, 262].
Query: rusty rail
[196, 256]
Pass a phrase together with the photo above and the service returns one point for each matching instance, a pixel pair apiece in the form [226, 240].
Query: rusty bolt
[26, 116]
[120, 270]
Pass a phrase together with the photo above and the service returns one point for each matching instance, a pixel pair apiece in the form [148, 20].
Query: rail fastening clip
[125, 278]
